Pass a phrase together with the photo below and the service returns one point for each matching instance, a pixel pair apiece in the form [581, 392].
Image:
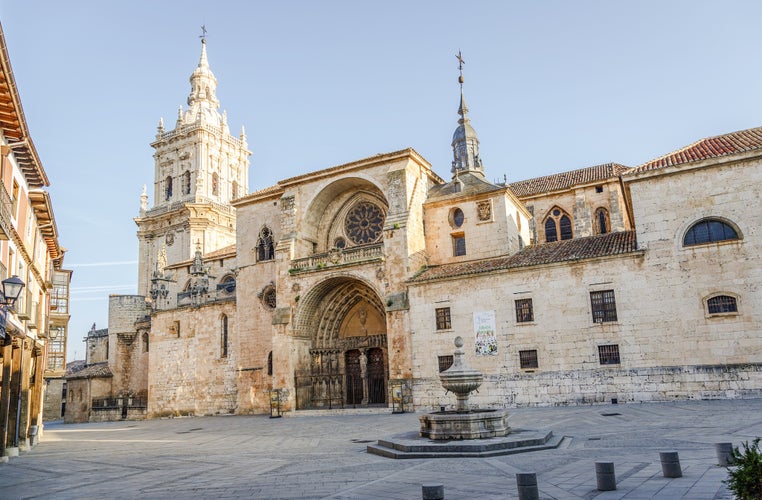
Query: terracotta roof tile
[565, 180]
[710, 147]
[230, 249]
[91, 371]
[546, 253]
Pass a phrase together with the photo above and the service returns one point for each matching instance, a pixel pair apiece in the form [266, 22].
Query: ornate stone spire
[465, 143]
[202, 101]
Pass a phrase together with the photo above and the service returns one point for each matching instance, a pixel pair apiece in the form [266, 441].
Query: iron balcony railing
[6, 205]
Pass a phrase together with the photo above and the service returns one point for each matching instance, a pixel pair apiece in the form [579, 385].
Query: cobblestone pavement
[324, 456]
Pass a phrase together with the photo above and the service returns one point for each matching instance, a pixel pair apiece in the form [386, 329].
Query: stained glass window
[364, 223]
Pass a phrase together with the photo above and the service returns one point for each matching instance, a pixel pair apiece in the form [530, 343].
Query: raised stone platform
[409, 445]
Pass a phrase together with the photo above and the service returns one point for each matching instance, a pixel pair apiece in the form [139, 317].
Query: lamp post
[11, 289]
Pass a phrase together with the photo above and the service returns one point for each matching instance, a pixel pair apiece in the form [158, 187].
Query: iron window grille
[528, 359]
[722, 304]
[524, 311]
[603, 306]
[608, 354]
[443, 318]
[445, 362]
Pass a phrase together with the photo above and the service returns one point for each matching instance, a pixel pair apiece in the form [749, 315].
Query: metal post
[432, 491]
[605, 476]
[526, 482]
[670, 464]
[723, 451]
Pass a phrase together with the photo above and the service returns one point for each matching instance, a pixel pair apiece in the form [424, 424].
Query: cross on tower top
[461, 62]
[202, 36]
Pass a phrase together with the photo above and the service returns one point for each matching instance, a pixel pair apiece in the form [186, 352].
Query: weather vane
[203, 32]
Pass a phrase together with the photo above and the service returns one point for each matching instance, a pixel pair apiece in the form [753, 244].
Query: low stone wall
[602, 386]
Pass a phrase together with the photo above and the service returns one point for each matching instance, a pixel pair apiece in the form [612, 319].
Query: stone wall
[51, 408]
[188, 374]
[128, 360]
[664, 383]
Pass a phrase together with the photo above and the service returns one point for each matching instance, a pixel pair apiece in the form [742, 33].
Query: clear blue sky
[551, 85]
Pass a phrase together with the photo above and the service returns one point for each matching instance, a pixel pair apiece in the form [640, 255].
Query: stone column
[364, 375]
[5, 394]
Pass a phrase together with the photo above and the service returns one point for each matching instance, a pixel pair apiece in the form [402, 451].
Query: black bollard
[432, 491]
[723, 451]
[670, 464]
[604, 476]
[526, 482]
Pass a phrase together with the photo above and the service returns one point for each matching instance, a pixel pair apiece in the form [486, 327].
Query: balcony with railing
[6, 223]
[338, 257]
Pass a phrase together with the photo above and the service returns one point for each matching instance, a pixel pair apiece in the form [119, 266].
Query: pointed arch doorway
[347, 364]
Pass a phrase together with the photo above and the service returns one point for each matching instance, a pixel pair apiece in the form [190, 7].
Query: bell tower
[199, 168]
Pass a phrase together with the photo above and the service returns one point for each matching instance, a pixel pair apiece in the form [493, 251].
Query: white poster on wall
[486, 334]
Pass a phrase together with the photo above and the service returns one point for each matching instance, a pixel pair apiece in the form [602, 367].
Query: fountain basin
[476, 424]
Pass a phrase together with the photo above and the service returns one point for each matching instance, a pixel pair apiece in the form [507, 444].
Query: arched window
[558, 225]
[224, 336]
[145, 342]
[234, 190]
[227, 284]
[265, 245]
[215, 184]
[186, 182]
[601, 221]
[550, 230]
[168, 188]
[721, 304]
[709, 231]
[270, 363]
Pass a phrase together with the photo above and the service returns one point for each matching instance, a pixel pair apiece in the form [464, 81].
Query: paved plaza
[324, 456]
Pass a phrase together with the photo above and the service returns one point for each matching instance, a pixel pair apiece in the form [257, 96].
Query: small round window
[556, 213]
[457, 217]
[340, 242]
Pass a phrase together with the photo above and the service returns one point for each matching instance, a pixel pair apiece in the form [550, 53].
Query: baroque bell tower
[199, 169]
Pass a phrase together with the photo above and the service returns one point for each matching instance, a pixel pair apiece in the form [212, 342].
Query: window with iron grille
[722, 304]
[443, 318]
[445, 362]
[603, 306]
[524, 311]
[528, 359]
[608, 354]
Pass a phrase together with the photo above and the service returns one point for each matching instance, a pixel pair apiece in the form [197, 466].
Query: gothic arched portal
[345, 320]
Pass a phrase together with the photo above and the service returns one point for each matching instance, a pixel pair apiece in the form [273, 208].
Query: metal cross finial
[203, 32]
[461, 62]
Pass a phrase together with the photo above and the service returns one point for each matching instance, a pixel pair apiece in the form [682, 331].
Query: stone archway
[345, 321]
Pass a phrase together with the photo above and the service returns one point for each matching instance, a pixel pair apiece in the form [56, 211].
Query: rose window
[364, 223]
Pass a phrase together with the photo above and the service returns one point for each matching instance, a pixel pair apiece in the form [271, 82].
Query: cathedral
[345, 287]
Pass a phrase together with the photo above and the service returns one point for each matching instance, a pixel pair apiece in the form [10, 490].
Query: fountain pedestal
[463, 423]
[477, 424]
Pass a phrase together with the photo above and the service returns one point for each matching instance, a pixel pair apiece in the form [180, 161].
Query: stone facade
[345, 287]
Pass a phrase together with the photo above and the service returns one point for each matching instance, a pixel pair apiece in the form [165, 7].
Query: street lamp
[11, 290]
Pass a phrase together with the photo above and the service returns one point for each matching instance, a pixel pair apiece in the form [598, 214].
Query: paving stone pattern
[325, 457]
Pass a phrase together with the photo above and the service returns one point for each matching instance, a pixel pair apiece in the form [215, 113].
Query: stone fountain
[464, 431]
[463, 422]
